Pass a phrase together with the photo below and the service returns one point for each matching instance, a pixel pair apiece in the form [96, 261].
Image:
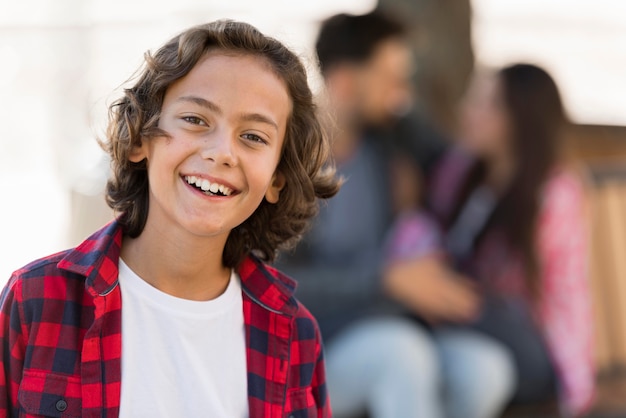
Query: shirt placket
[100, 383]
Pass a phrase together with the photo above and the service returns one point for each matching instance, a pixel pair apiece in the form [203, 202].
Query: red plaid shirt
[61, 338]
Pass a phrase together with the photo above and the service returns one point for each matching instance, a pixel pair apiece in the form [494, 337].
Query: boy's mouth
[207, 187]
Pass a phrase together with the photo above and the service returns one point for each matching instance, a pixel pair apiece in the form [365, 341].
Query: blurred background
[63, 62]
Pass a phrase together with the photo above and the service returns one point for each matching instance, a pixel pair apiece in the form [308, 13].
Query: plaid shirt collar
[97, 259]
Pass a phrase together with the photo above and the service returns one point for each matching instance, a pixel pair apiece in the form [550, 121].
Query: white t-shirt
[181, 358]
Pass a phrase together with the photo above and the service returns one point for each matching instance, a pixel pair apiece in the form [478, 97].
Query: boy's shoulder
[41, 291]
[56, 272]
[277, 292]
[36, 272]
[306, 326]
[41, 266]
[42, 285]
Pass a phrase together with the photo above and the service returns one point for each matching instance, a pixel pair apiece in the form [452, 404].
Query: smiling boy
[218, 160]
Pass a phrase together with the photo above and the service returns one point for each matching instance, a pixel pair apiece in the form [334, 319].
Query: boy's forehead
[215, 58]
[239, 70]
[237, 84]
[251, 57]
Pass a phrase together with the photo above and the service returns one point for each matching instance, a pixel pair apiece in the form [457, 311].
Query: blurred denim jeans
[392, 367]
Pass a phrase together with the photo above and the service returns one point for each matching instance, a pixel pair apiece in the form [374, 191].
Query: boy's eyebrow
[248, 117]
[257, 117]
[201, 102]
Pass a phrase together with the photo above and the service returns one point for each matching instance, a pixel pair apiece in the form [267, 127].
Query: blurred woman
[510, 256]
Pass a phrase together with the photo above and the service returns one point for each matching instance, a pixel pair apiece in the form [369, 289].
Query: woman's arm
[564, 307]
[417, 276]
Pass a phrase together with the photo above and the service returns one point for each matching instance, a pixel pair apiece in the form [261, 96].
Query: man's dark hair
[353, 38]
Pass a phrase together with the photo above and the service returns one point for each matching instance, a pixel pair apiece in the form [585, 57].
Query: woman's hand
[432, 290]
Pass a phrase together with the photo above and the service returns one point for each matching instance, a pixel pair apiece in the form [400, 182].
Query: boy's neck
[182, 266]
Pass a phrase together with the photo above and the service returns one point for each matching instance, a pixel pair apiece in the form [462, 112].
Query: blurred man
[378, 360]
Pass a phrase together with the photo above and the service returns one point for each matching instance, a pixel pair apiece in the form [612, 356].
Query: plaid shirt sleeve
[12, 347]
[45, 312]
[319, 388]
[286, 375]
[40, 344]
[308, 393]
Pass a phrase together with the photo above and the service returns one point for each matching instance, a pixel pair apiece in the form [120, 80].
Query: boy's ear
[273, 192]
[138, 152]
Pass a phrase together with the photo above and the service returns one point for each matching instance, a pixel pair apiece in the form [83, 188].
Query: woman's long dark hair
[537, 120]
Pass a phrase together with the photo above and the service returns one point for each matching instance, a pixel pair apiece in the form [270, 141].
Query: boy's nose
[220, 148]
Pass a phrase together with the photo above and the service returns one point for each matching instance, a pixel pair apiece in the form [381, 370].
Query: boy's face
[226, 120]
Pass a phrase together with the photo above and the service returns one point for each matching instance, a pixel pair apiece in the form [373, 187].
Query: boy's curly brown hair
[305, 155]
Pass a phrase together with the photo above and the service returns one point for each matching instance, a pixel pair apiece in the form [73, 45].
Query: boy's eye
[194, 120]
[254, 138]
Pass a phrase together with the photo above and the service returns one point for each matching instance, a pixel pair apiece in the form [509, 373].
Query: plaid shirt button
[61, 405]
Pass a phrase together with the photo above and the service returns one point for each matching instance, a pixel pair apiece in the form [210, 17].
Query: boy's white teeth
[207, 186]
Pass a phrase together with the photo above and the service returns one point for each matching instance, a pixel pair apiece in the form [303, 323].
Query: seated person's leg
[479, 373]
[387, 367]
[509, 321]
